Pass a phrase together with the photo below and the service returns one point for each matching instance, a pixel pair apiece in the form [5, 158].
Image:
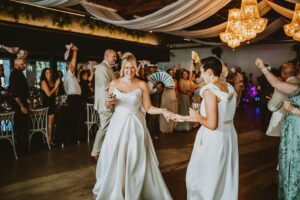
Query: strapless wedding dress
[128, 167]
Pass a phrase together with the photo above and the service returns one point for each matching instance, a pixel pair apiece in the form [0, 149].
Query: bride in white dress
[212, 172]
[128, 167]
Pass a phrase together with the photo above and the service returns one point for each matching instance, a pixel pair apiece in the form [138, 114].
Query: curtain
[281, 10]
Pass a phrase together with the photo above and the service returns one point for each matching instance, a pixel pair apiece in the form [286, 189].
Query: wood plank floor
[69, 174]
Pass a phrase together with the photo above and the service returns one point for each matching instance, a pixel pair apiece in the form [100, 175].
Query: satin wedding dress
[213, 168]
[128, 167]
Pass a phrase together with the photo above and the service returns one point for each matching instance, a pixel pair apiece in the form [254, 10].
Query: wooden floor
[62, 174]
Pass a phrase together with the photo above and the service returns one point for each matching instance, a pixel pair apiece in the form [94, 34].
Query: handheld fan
[196, 61]
[162, 77]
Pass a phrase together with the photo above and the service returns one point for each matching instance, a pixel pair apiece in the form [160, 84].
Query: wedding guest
[73, 90]
[265, 93]
[288, 75]
[153, 120]
[212, 172]
[19, 90]
[61, 89]
[238, 84]
[289, 148]
[169, 100]
[185, 93]
[49, 91]
[86, 87]
[103, 76]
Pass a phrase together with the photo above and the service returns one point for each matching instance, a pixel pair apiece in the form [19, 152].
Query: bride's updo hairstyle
[213, 63]
[128, 57]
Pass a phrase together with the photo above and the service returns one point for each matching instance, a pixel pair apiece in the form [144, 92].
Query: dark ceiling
[129, 8]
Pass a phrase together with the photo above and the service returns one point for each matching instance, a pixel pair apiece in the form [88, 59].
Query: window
[33, 71]
[6, 68]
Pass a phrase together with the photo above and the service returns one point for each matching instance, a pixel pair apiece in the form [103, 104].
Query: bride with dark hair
[213, 168]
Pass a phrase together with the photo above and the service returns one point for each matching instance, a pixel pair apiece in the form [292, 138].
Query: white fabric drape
[53, 2]
[176, 16]
[281, 10]
[271, 28]
[216, 30]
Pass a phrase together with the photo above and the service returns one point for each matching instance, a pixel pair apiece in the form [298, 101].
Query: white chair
[92, 119]
[38, 123]
[7, 129]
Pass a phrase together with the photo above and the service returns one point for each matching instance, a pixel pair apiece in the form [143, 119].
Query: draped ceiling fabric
[53, 2]
[176, 16]
[216, 30]
[271, 28]
[281, 10]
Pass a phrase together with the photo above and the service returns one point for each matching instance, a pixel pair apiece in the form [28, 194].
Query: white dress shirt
[71, 84]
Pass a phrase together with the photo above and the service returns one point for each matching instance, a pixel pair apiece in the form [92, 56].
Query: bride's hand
[111, 101]
[167, 114]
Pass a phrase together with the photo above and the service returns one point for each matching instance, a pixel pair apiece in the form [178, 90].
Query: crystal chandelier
[293, 29]
[243, 24]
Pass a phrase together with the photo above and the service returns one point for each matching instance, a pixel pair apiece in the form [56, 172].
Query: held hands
[167, 114]
[194, 114]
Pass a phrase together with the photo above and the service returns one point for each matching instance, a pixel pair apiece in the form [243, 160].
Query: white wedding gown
[212, 172]
[128, 167]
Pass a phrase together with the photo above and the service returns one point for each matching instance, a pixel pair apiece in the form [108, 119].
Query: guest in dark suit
[18, 88]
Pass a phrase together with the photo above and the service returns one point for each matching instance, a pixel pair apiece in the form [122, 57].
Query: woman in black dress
[49, 91]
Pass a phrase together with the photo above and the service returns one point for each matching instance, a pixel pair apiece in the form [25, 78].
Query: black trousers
[21, 131]
[74, 120]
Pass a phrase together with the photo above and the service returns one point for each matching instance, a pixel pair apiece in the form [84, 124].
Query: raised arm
[279, 85]
[45, 87]
[72, 65]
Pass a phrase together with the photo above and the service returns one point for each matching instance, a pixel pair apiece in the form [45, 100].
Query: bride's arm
[148, 106]
[211, 107]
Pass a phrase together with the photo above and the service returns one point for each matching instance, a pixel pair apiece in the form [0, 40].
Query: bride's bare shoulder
[141, 84]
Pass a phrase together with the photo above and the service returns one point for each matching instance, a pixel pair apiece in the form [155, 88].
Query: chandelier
[293, 29]
[243, 24]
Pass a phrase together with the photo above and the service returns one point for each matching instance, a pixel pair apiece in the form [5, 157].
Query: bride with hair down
[128, 166]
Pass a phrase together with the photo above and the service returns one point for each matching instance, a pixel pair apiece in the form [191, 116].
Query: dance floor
[69, 174]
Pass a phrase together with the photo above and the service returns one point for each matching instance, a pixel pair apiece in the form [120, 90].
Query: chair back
[92, 115]
[38, 119]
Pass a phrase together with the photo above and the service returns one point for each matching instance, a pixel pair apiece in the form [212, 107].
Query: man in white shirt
[73, 91]
[103, 76]
[288, 74]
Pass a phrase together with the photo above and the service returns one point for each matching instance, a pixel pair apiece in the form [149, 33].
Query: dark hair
[43, 75]
[170, 69]
[184, 70]
[212, 63]
[82, 73]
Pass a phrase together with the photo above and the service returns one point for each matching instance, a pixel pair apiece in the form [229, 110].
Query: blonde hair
[128, 58]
